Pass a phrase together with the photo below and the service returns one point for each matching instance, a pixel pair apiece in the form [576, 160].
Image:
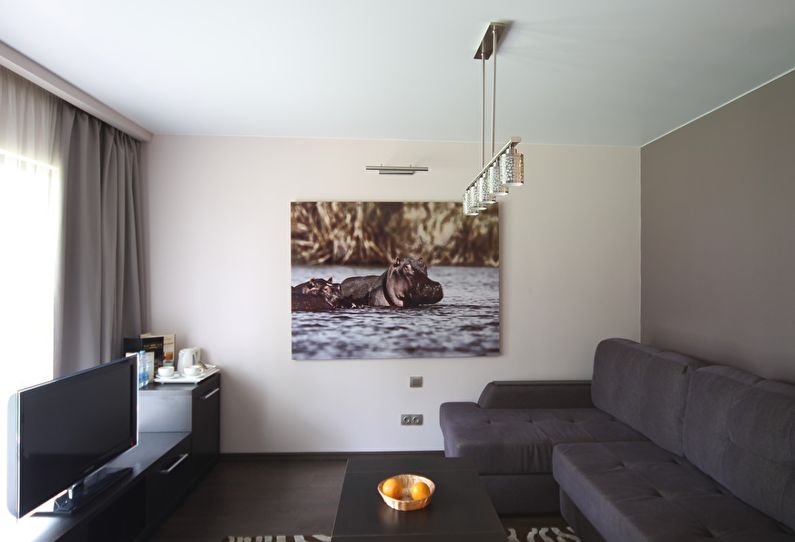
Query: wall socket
[411, 419]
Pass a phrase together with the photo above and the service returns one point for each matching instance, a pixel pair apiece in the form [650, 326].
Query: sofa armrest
[537, 394]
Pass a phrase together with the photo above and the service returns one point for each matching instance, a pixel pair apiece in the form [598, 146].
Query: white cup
[165, 371]
[192, 370]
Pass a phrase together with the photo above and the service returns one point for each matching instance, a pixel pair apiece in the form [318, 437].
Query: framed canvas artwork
[394, 280]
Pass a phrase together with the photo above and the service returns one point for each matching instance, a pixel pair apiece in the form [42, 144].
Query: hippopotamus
[405, 283]
[312, 285]
[311, 302]
[318, 295]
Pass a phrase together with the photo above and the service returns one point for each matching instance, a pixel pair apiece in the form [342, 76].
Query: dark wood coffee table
[460, 509]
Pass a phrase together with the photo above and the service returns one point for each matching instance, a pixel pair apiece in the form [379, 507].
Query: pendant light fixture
[506, 167]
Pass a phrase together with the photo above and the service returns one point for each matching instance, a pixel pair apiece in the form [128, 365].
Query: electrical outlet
[415, 382]
[411, 419]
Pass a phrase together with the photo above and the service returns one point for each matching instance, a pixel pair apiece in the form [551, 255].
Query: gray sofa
[659, 446]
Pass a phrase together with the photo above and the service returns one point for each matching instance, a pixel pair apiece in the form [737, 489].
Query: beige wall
[718, 243]
[219, 255]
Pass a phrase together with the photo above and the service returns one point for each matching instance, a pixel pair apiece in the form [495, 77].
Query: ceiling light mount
[396, 170]
[487, 43]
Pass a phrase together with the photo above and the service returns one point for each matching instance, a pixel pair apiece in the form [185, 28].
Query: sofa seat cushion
[520, 441]
[635, 491]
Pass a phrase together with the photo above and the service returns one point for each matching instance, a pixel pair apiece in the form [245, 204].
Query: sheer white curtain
[30, 220]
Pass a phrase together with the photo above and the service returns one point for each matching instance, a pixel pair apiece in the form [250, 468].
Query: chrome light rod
[511, 143]
[396, 170]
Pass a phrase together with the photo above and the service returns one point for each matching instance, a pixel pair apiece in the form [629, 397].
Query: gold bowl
[405, 502]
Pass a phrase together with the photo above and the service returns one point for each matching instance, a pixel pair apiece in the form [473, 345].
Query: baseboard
[317, 456]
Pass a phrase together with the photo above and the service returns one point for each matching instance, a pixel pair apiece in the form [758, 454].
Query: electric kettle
[188, 357]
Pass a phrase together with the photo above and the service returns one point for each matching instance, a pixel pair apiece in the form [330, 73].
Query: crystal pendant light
[480, 191]
[474, 205]
[488, 191]
[512, 168]
[495, 181]
[469, 203]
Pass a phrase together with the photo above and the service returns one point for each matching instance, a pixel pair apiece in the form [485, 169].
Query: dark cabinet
[206, 424]
[187, 407]
[123, 520]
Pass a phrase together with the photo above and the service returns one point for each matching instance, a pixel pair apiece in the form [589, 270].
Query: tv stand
[87, 490]
[120, 512]
[165, 465]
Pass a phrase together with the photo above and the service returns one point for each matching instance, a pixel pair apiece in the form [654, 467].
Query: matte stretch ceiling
[613, 72]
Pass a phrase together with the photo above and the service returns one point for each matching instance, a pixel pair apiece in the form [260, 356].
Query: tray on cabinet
[183, 379]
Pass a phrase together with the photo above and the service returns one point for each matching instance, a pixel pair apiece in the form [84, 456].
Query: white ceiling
[611, 72]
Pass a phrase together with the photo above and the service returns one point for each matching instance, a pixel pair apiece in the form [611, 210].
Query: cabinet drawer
[164, 413]
[207, 387]
[167, 481]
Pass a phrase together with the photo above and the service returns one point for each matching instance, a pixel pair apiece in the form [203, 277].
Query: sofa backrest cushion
[643, 387]
[740, 430]
[536, 394]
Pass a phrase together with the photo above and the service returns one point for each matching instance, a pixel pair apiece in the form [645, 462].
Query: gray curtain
[100, 291]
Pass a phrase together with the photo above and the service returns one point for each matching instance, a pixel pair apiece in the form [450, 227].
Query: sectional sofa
[658, 446]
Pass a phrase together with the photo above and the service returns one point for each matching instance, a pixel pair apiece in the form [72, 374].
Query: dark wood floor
[281, 496]
[262, 497]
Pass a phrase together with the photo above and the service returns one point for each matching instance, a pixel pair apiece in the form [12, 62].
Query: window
[30, 202]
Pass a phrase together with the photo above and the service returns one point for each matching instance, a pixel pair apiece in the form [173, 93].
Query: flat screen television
[64, 431]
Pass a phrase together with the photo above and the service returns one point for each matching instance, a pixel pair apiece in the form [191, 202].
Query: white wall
[219, 249]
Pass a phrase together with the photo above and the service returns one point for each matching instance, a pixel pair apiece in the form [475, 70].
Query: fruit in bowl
[406, 492]
[419, 491]
[392, 488]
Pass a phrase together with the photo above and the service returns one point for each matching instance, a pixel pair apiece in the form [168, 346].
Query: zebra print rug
[532, 534]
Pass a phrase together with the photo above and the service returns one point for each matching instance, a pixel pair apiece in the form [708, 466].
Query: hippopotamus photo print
[394, 280]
